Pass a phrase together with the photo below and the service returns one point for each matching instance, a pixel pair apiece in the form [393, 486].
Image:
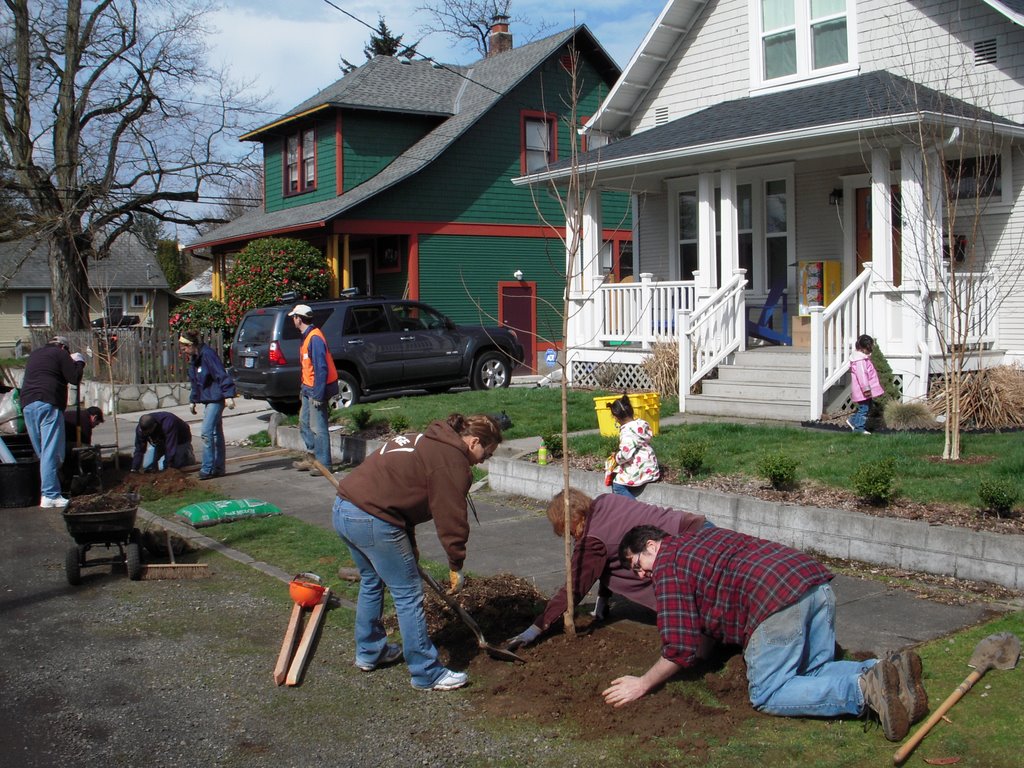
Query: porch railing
[641, 313]
[711, 333]
[964, 309]
[834, 330]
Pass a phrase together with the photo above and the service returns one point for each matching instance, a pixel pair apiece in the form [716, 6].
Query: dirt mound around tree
[559, 687]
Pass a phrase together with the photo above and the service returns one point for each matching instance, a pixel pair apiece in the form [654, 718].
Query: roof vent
[660, 115]
[985, 52]
[405, 61]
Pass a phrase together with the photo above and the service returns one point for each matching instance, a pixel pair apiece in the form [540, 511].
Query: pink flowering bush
[202, 317]
[266, 269]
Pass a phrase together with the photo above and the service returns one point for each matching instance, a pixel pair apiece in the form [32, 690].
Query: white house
[792, 144]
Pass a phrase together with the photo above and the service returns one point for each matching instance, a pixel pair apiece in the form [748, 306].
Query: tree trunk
[70, 283]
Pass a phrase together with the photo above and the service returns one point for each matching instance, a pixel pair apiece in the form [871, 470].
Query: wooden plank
[285, 656]
[308, 636]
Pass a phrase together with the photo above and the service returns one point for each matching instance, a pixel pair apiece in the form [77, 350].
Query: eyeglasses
[634, 565]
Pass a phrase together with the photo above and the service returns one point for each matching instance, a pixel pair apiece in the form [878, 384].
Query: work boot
[302, 465]
[912, 692]
[881, 687]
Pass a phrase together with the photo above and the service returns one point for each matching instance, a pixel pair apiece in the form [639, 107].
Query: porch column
[587, 242]
[707, 277]
[881, 214]
[729, 225]
[915, 244]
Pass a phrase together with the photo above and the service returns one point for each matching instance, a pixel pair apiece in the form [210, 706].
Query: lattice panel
[847, 403]
[617, 377]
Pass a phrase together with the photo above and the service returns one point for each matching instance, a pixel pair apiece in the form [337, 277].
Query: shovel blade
[999, 651]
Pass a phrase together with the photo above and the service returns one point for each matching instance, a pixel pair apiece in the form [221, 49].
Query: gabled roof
[875, 104]
[467, 93]
[201, 285]
[130, 266]
[661, 42]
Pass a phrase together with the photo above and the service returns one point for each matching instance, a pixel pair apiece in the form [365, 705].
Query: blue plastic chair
[765, 326]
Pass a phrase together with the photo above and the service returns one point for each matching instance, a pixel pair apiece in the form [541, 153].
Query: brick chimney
[500, 39]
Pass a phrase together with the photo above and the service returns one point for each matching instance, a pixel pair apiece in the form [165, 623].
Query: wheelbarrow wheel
[73, 567]
[133, 561]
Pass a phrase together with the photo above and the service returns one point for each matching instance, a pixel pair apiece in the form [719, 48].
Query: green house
[400, 172]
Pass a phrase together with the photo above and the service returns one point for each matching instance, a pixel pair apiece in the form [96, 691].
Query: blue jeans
[45, 426]
[790, 666]
[860, 416]
[632, 491]
[183, 459]
[213, 439]
[384, 556]
[313, 428]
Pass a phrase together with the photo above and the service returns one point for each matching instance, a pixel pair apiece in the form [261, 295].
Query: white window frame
[24, 310]
[139, 300]
[757, 178]
[804, 44]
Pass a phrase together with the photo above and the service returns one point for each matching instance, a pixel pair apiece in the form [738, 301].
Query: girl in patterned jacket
[635, 462]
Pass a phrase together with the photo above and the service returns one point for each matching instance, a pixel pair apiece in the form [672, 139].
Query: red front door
[517, 309]
[863, 224]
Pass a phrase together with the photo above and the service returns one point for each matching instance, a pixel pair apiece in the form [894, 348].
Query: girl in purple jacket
[864, 385]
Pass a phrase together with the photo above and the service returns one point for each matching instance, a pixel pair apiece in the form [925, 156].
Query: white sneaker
[448, 681]
[392, 653]
[57, 502]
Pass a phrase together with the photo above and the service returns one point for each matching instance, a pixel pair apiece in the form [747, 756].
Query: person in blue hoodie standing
[213, 387]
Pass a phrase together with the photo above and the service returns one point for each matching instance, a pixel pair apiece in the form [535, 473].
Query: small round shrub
[779, 469]
[361, 418]
[399, 424]
[689, 457]
[553, 442]
[904, 416]
[873, 482]
[998, 495]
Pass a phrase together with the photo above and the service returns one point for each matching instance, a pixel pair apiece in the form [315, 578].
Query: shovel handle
[937, 715]
[325, 472]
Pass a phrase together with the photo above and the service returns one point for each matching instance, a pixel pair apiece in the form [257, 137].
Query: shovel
[494, 651]
[999, 651]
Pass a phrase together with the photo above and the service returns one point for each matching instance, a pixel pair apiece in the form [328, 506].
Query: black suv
[378, 345]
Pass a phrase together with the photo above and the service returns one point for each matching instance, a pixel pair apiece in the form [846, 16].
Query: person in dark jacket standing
[162, 440]
[213, 387]
[319, 385]
[44, 397]
[412, 479]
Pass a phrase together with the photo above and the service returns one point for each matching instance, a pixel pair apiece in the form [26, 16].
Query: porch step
[769, 383]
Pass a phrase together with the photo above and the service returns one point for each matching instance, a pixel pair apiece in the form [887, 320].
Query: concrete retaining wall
[344, 448]
[917, 546]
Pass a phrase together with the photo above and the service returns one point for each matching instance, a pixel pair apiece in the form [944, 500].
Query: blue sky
[291, 49]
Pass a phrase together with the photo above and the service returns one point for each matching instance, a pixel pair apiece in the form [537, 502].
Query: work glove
[316, 403]
[193, 408]
[457, 581]
[600, 611]
[231, 402]
[525, 637]
[77, 357]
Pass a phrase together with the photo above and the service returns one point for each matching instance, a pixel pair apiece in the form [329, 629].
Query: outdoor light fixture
[518, 274]
[835, 197]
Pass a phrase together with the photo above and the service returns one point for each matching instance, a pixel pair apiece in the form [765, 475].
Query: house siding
[372, 140]
[326, 162]
[711, 65]
[459, 272]
[471, 183]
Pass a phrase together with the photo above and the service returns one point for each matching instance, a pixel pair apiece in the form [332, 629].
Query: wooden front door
[517, 309]
[863, 224]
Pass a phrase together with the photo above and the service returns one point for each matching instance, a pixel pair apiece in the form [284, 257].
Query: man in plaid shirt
[778, 605]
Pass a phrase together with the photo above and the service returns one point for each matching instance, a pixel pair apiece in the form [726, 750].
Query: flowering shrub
[202, 317]
[265, 269]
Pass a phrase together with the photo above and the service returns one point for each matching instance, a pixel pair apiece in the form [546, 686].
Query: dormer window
[300, 162]
[802, 38]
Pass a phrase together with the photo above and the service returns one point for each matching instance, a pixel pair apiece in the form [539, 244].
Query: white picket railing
[711, 333]
[834, 331]
[964, 309]
[643, 312]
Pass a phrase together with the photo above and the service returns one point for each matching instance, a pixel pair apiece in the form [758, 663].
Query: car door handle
[354, 341]
[407, 338]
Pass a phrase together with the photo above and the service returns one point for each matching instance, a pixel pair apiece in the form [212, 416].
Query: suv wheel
[348, 390]
[491, 371]
[287, 407]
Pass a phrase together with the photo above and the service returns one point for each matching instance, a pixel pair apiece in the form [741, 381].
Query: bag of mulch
[206, 513]
[11, 421]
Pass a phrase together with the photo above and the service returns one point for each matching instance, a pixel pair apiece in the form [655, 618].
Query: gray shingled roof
[466, 99]
[877, 96]
[1013, 6]
[130, 265]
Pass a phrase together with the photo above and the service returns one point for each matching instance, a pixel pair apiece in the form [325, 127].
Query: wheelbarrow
[106, 520]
